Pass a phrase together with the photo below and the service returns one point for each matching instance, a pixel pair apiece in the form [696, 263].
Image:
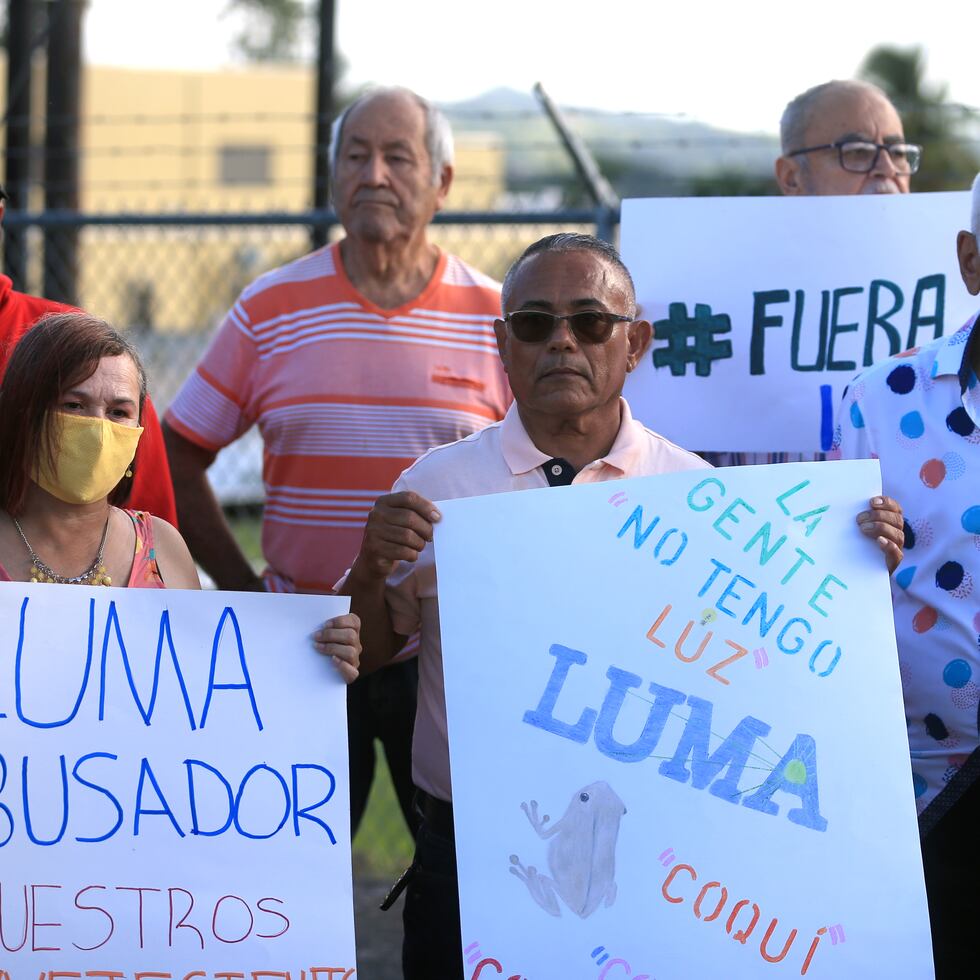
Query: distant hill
[641, 155]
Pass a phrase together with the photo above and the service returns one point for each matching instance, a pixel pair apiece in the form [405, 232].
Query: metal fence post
[61, 149]
[20, 52]
[325, 71]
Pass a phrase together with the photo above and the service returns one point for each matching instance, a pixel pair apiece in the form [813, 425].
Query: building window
[238, 165]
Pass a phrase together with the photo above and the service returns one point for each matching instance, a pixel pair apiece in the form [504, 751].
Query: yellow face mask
[91, 458]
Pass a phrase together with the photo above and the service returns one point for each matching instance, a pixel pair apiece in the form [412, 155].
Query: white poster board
[186, 804]
[676, 730]
[766, 308]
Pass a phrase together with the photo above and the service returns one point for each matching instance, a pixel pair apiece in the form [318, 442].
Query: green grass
[383, 846]
[247, 528]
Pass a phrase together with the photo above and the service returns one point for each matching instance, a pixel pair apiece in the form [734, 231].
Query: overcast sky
[731, 64]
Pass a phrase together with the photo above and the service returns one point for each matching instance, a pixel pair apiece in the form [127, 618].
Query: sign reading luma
[305, 787]
[676, 730]
[173, 790]
[692, 760]
[798, 295]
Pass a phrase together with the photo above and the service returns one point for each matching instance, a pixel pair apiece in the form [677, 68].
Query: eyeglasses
[589, 326]
[860, 156]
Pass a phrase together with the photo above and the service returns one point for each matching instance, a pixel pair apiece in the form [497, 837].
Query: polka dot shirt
[918, 413]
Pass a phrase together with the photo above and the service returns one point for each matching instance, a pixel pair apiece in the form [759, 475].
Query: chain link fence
[167, 282]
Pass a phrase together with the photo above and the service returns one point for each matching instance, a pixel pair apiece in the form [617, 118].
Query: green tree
[273, 29]
[734, 183]
[949, 157]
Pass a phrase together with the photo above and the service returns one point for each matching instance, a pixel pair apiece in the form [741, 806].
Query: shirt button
[556, 470]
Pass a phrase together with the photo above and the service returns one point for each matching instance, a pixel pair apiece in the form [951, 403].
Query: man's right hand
[398, 528]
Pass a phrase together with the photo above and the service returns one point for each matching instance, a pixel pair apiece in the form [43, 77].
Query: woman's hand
[340, 639]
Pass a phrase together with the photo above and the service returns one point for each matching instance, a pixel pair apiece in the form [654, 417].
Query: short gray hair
[567, 241]
[797, 115]
[438, 132]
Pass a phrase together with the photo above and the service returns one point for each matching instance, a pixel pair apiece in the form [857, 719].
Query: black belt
[438, 814]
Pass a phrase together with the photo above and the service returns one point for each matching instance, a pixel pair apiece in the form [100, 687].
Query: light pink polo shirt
[497, 459]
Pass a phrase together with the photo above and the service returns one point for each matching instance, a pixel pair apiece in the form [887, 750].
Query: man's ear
[789, 175]
[969, 257]
[445, 182]
[500, 331]
[639, 335]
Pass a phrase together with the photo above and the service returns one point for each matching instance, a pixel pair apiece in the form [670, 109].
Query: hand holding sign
[340, 638]
[397, 529]
[885, 523]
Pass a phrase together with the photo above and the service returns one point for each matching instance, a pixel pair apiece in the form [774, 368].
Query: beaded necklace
[95, 574]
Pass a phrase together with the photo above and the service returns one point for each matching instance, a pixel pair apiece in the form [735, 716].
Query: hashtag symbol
[691, 340]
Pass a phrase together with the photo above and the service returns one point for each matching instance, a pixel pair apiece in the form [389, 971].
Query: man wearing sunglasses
[568, 338]
[844, 137]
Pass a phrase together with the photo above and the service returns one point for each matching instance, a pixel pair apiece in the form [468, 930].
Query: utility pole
[61, 147]
[606, 199]
[20, 50]
[325, 72]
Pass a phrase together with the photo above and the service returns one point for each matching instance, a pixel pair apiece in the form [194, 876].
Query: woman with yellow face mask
[70, 408]
[71, 401]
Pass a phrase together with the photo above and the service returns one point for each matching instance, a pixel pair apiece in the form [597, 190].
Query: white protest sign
[766, 308]
[173, 786]
[676, 731]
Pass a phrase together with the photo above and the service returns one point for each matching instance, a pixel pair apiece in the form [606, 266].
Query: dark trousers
[382, 706]
[432, 948]
[951, 861]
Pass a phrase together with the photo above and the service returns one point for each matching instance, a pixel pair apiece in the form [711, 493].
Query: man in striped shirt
[353, 361]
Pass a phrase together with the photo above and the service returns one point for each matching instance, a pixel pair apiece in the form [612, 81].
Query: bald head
[829, 114]
[801, 111]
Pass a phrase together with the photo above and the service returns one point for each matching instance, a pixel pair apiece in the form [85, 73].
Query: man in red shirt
[152, 486]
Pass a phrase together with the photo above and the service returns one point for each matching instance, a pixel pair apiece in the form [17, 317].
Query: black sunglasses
[589, 326]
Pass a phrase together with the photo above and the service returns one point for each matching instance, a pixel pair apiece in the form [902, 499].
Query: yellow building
[235, 141]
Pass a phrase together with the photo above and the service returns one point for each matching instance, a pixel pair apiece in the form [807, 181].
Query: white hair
[975, 207]
[438, 132]
[797, 115]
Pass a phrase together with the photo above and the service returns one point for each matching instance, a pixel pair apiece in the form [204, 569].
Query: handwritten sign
[764, 309]
[173, 786]
[676, 730]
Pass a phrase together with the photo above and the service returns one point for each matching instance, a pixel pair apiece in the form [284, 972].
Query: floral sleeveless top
[145, 573]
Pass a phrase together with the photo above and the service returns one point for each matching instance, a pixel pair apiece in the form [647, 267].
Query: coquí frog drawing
[581, 852]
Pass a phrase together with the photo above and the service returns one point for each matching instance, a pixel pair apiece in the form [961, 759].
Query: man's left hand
[885, 523]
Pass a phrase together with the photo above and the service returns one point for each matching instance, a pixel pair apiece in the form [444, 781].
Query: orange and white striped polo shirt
[346, 396]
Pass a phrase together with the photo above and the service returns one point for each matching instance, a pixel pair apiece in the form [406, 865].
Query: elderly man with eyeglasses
[844, 137]
[568, 338]
[841, 137]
